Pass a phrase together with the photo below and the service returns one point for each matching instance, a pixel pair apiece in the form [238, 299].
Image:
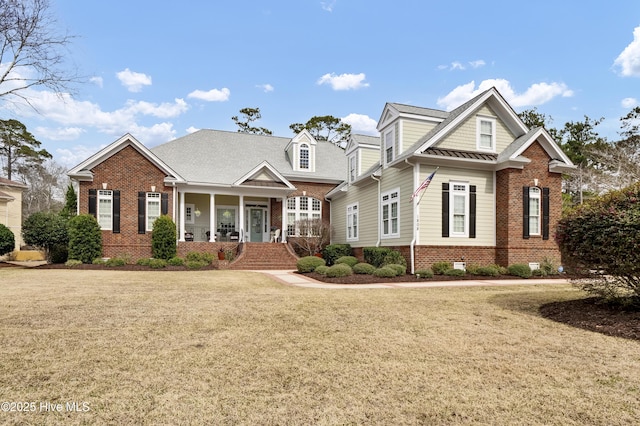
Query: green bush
[332, 252]
[116, 261]
[175, 261]
[196, 264]
[230, 254]
[400, 269]
[394, 257]
[157, 263]
[163, 238]
[424, 273]
[349, 260]
[322, 270]
[85, 238]
[98, 261]
[455, 272]
[519, 270]
[339, 270]
[72, 263]
[59, 253]
[439, 268]
[375, 255]
[46, 230]
[384, 272]
[363, 268]
[487, 271]
[145, 261]
[194, 256]
[7, 240]
[309, 263]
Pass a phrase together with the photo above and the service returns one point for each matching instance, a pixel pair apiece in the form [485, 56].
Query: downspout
[416, 171]
[373, 176]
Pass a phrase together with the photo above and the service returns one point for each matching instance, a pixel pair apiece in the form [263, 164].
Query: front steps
[257, 256]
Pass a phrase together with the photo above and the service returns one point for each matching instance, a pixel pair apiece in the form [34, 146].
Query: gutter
[412, 246]
[373, 176]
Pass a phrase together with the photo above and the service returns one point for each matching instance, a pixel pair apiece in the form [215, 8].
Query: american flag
[423, 185]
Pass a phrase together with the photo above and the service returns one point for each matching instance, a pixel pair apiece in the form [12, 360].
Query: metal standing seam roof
[223, 157]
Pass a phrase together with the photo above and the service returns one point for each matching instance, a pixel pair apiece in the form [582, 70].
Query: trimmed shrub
[400, 269]
[157, 263]
[384, 272]
[363, 268]
[175, 261]
[424, 273]
[349, 260]
[163, 238]
[519, 270]
[394, 257]
[339, 270]
[116, 261]
[487, 271]
[59, 253]
[47, 230]
[98, 261]
[322, 269]
[144, 261]
[455, 272]
[194, 256]
[309, 263]
[85, 238]
[439, 268]
[332, 252]
[7, 240]
[375, 255]
[72, 263]
[196, 264]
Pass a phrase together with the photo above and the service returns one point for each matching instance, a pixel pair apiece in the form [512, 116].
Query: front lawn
[227, 347]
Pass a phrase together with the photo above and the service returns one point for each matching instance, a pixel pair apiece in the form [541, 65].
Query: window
[189, 216]
[304, 156]
[459, 211]
[390, 213]
[105, 209]
[302, 209]
[352, 222]
[388, 146]
[352, 168]
[534, 211]
[153, 209]
[486, 133]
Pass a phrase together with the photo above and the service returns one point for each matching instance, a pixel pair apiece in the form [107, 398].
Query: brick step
[256, 256]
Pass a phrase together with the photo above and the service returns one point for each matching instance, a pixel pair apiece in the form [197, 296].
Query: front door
[257, 224]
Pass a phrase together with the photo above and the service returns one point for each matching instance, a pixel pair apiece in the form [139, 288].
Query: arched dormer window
[304, 157]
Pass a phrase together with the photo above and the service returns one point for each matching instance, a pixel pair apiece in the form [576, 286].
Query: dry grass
[221, 347]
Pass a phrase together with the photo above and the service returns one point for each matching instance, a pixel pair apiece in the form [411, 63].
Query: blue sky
[159, 69]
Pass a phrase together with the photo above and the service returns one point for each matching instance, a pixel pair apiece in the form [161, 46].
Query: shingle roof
[410, 109]
[221, 157]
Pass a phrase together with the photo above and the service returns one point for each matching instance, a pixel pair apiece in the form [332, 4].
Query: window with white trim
[352, 168]
[389, 140]
[105, 209]
[534, 211]
[304, 156]
[352, 222]
[153, 209]
[189, 216]
[459, 201]
[300, 211]
[486, 128]
[390, 213]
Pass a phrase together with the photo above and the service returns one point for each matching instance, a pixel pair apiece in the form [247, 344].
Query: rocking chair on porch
[234, 236]
[275, 236]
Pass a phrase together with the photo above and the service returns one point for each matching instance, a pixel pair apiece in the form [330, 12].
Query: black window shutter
[472, 211]
[115, 226]
[93, 202]
[445, 210]
[545, 213]
[525, 212]
[142, 198]
[164, 203]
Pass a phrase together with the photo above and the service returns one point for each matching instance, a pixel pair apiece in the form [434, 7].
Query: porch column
[241, 218]
[181, 236]
[212, 218]
[283, 233]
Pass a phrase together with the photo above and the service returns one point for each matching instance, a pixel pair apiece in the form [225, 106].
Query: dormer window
[304, 156]
[486, 134]
[389, 153]
[352, 168]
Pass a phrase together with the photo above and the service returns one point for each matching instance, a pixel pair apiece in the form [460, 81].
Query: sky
[160, 69]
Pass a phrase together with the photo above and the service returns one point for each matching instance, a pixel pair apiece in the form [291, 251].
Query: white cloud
[266, 87]
[477, 64]
[328, 5]
[98, 81]
[536, 94]
[344, 81]
[132, 80]
[629, 59]
[629, 102]
[213, 95]
[192, 129]
[361, 123]
[163, 110]
[59, 134]
[76, 155]
[457, 65]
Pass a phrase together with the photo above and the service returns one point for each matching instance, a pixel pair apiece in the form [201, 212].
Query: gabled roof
[264, 175]
[362, 141]
[561, 163]
[83, 170]
[12, 184]
[393, 110]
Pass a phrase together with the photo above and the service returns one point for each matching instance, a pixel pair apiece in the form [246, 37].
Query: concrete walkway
[299, 280]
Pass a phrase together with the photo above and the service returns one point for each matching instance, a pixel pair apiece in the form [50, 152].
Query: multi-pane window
[534, 211]
[153, 208]
[352, 168]
[388, 146]
[352, 222]
[304, 156]
[459, 212]
[486, 134]
[390, 213]
[105, 209]
[301, 211]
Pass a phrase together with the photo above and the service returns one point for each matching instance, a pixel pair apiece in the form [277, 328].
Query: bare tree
[312, 235]
[46, 183]
[31, 50]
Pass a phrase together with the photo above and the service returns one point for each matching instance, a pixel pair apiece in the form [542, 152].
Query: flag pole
[422, 195]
